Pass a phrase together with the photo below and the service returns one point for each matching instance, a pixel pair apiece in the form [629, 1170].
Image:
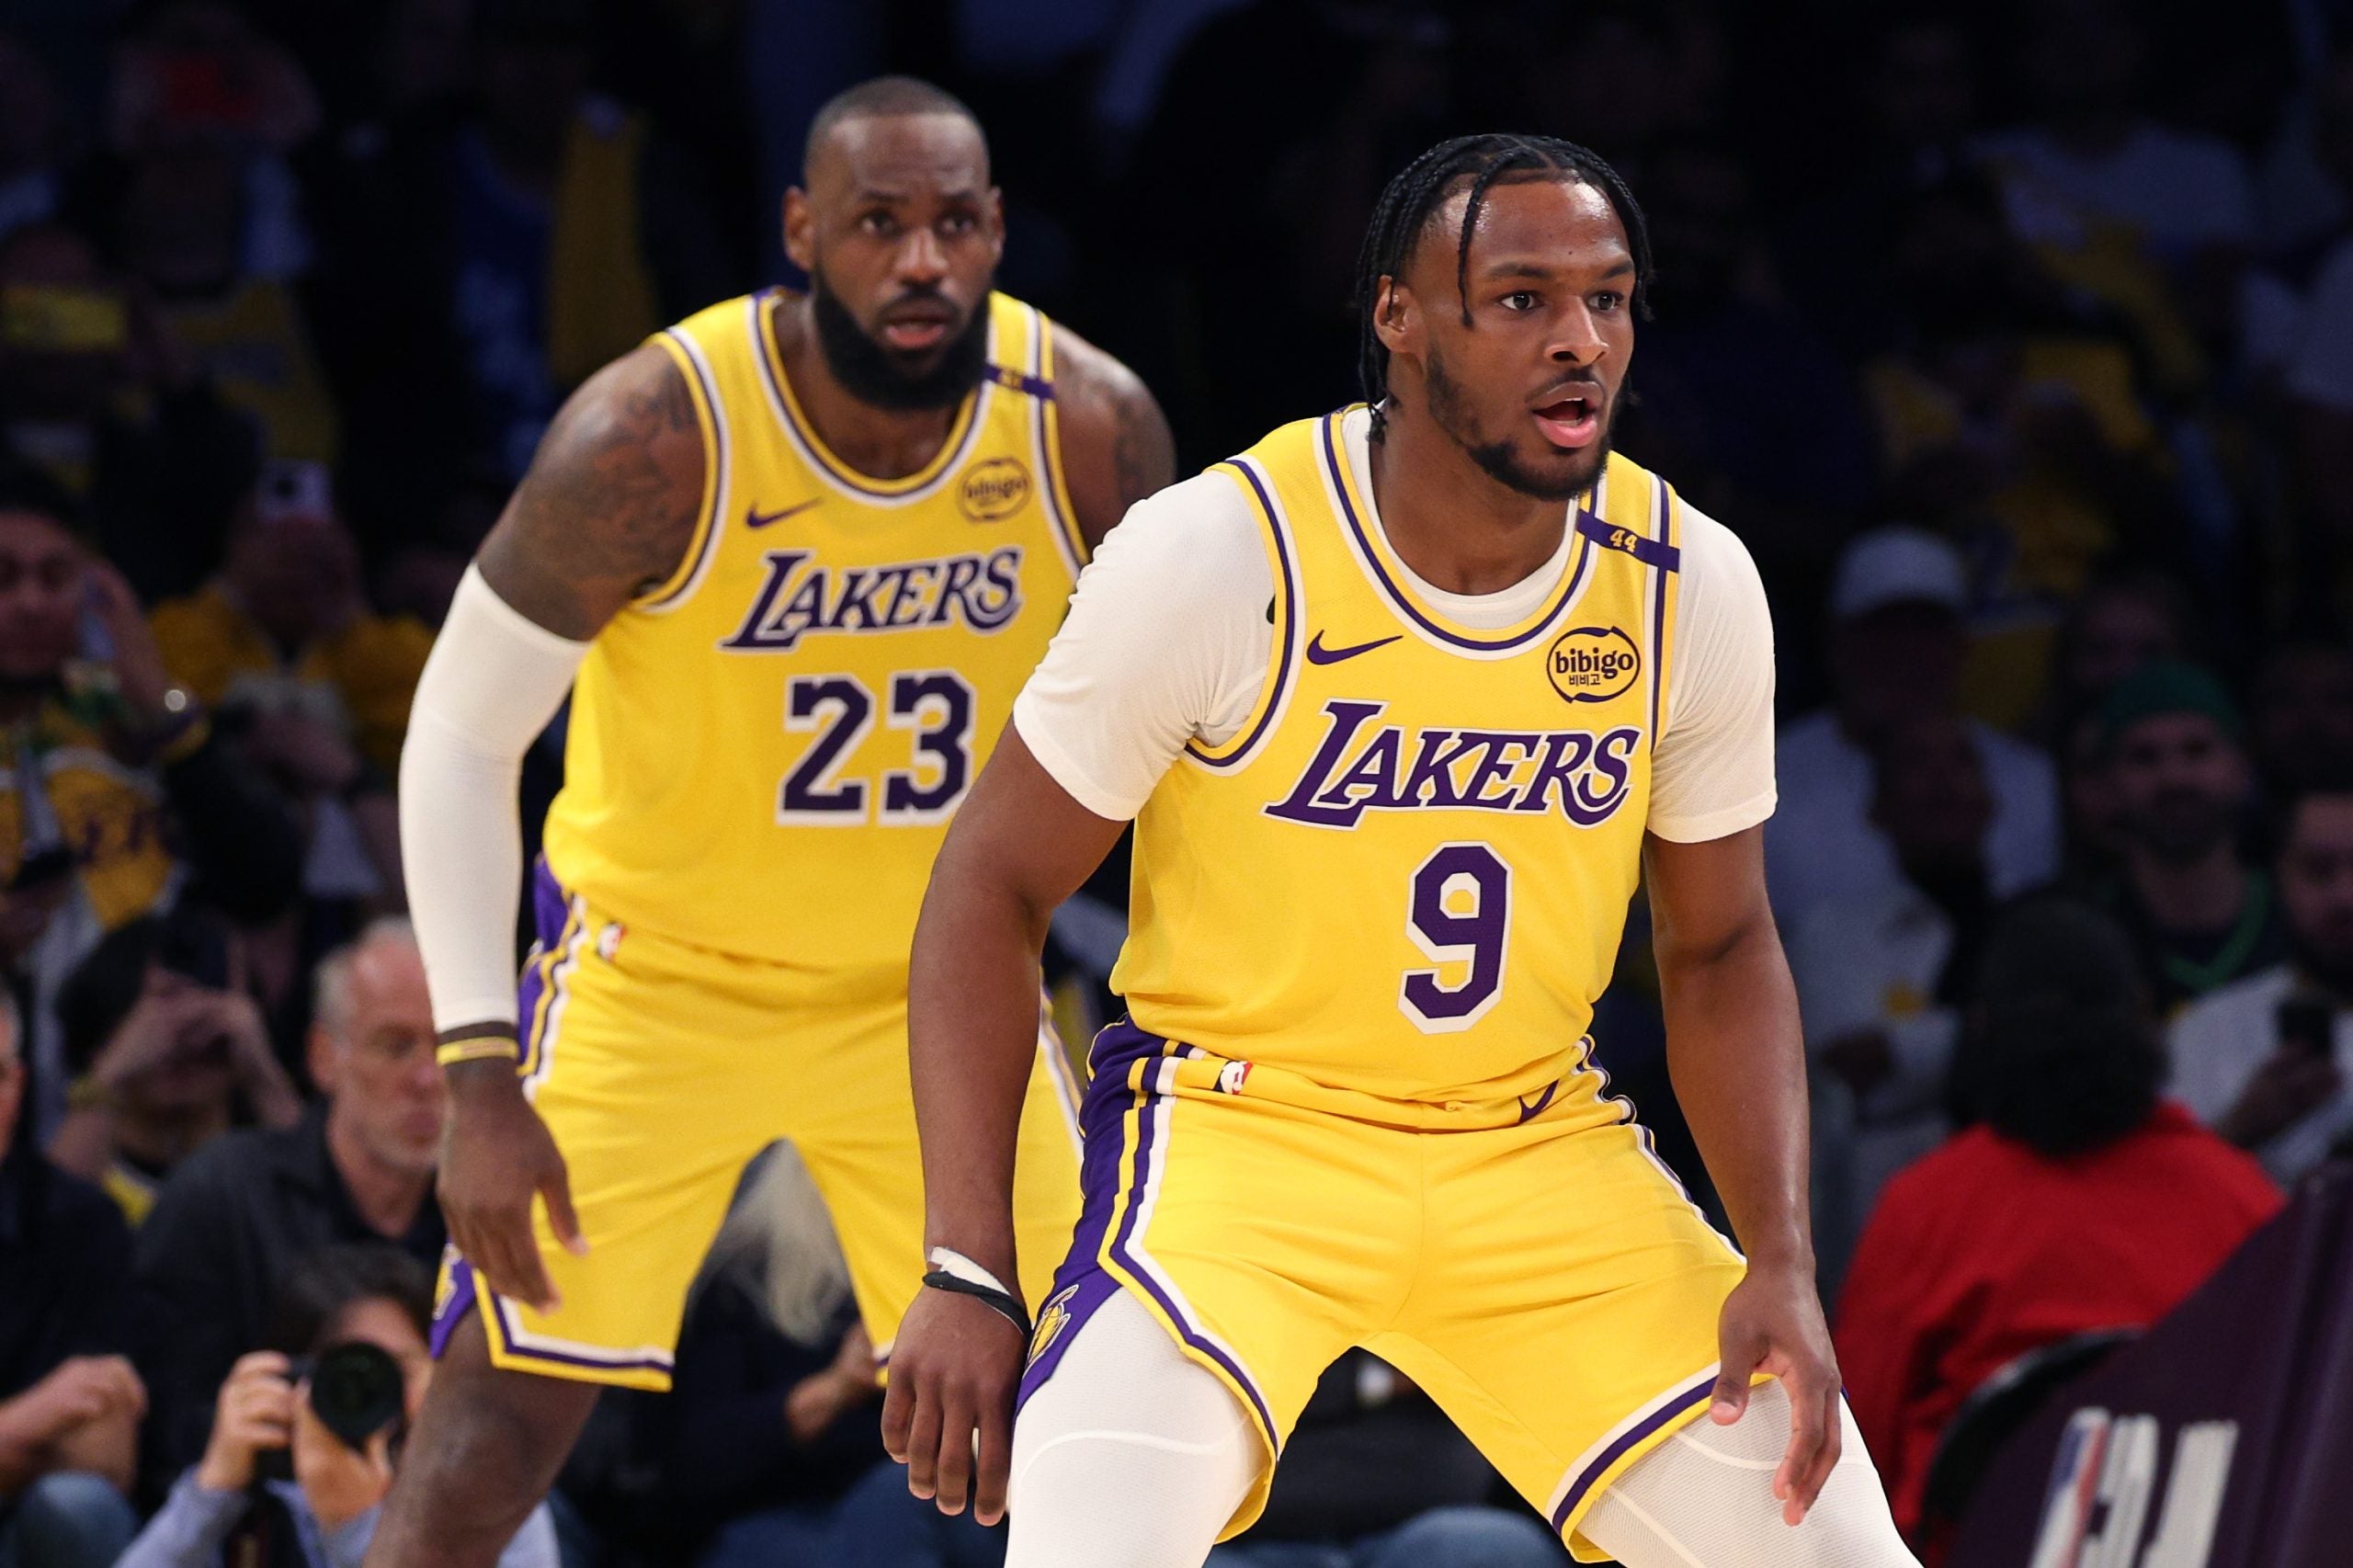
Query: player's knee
[1849, 1525]
[491, 1441]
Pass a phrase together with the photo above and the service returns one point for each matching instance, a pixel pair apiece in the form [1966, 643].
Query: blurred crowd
[2015, 340]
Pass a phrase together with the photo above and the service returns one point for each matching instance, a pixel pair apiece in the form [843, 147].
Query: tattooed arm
[607, 511]
[1115, 445]
[609, 504]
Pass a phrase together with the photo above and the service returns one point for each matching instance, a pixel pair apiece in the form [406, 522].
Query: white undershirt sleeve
[1711, 772]
[1166, 641]
[491, 684]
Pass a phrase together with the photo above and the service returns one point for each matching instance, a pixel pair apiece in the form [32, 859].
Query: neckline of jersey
[1338, 449]
[952, 451]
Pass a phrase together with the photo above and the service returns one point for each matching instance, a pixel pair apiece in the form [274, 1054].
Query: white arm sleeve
[1167, 640]
[493, 681]
[1712, 772]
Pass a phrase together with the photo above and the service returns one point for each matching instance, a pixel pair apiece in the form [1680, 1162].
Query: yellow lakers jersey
[765, 750]
[1406, 875]
[61, 786]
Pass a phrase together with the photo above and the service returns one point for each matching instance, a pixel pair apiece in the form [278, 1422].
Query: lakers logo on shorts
[1052, 1321]
[994, 489]
[1593, 664]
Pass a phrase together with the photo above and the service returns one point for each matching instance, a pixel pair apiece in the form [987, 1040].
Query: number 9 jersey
[1399, 888]
[765, 750]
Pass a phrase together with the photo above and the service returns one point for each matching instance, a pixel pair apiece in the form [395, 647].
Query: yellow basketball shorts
[662, 1069]
[1542, 1277]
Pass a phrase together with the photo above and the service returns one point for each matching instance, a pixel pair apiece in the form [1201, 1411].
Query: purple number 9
[1459, 916]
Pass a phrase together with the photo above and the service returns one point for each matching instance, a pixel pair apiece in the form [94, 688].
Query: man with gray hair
[357, 1168]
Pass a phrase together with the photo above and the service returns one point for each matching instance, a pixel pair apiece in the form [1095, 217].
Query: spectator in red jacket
[2077, 1199]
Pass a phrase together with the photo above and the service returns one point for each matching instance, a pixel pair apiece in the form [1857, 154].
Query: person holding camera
[237, 1216]
[2265, 1062]
[306, 1435]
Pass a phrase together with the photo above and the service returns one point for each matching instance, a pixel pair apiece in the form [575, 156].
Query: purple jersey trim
[1280, 676]
[690, 571]
[1671, 561]
[1649, 551]
[1022, 381]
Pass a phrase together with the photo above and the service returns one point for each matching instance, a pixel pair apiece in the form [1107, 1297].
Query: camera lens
[357, 1390]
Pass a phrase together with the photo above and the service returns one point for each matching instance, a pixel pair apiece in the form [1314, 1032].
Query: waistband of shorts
[1140, 1062]
[612, 934]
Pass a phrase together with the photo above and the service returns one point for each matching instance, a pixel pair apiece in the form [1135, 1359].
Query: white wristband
[949, 1261]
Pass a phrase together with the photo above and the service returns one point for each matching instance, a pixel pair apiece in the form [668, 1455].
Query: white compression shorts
[1131, 1456]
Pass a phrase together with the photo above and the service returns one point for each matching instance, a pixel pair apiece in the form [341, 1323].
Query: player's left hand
[1772, 1323]
[954, 1367]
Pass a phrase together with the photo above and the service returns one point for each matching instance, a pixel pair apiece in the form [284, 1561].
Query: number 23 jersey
[766, 749]
[1386, 872]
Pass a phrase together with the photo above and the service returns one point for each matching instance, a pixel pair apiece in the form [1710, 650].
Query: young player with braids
[1403, 702]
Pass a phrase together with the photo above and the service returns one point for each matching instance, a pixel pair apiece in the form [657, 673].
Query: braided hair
[1410, 200]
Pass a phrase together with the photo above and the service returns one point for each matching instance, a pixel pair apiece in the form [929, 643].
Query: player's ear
[799, 230]
[993, 219]
[1396, 319]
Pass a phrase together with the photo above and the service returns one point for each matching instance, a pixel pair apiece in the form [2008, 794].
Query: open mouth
[916, 331]
[1571, 422]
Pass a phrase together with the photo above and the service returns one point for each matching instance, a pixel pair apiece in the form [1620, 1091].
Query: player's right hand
[496, 1157]
[954, 1368]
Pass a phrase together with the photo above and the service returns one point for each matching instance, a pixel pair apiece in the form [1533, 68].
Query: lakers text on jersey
[1356, 1102]
[763, 756]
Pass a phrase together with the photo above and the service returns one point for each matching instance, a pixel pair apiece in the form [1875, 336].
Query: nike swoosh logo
[1319, 654]
[755, 519]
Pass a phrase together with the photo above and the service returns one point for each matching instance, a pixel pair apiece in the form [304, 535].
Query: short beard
[877, 376]
[1496, 458]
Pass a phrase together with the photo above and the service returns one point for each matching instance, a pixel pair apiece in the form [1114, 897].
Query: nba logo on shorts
[1593, 664]
[1230, 1077]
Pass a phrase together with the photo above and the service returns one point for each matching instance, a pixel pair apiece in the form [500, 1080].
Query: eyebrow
[875, 193]
[1538, 270]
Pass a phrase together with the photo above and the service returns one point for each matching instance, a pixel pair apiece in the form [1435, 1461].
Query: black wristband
[999, 1301]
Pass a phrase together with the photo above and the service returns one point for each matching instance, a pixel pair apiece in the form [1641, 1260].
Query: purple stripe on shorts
[505, 1311]
[549, 908]
[1147, 1138]
[1102, 1143]
[1682, 1401]
[1103, 1123]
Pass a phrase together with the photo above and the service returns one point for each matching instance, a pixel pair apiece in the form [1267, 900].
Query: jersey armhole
[1062, 515]
[710, 417]
[1666, 598]
[1282, 611]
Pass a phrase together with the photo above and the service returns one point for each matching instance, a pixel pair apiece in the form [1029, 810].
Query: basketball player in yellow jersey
[801, 553]
[1403, 702]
